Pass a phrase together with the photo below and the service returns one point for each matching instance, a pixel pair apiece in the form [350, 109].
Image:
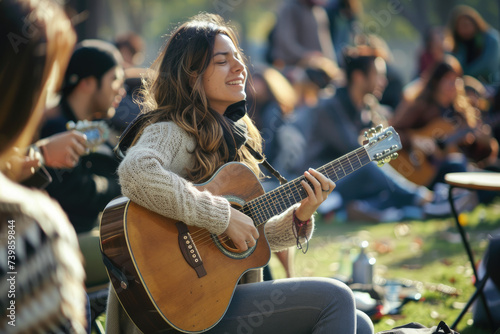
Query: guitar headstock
[382, 144]
[97, 132]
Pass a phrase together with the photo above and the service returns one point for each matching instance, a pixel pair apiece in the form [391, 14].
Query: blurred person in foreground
[92, 85]
[41, 255]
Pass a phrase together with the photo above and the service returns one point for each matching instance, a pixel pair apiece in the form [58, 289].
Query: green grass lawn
[427, 253]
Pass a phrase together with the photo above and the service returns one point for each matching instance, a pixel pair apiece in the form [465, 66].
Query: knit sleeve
[149, 176]
[280, 233]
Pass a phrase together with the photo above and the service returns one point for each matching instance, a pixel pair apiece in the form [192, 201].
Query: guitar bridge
[189, 250]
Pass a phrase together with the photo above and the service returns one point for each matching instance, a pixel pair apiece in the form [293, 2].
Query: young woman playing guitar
[194, 122]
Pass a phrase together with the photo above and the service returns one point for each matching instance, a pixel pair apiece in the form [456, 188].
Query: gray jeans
[295, 305]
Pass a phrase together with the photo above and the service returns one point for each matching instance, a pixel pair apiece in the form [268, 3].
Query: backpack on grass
[416, 328]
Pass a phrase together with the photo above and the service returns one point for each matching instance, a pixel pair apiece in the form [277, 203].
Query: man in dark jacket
[92, 86]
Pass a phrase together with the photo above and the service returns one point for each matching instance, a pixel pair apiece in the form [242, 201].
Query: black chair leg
[479, 283]
[478, 292]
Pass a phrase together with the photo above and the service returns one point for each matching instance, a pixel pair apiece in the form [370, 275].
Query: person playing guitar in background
[194, 121]
[438, 129]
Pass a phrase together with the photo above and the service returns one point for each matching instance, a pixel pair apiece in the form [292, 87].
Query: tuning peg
[380, 163]
[70, 125]
[379, 128]
[394, 156]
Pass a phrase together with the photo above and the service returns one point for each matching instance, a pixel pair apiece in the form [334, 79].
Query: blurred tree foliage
[399, 22]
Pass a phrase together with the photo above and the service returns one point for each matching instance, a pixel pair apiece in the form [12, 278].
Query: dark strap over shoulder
[127, 137]
[266, 164]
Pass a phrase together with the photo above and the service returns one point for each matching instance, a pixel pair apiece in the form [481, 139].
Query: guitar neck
[262, 208]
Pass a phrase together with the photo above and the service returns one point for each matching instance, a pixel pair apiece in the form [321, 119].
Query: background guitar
[420, 163]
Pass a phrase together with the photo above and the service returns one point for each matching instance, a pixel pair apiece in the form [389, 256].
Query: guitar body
[415, 164]
[163, 290]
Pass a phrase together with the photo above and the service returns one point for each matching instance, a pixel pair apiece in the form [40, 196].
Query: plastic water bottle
[362, 267]
[393, 289]
[345, 265]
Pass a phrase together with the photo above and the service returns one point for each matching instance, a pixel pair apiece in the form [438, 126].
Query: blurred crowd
[320, 85]
[324, 82]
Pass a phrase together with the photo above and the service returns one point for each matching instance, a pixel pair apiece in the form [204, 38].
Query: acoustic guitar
[168, 274]
[421, 168]
[415, 164]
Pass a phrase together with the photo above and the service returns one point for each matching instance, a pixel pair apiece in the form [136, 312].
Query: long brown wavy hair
[173, 91]
[428, 95]
[460, 11]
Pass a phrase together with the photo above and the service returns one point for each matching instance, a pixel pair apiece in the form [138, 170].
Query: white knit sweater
[152, 175]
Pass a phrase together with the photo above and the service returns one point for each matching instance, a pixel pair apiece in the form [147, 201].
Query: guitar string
[273, 200]
[295, 189]
[345, 163]
[206, 237]
[346, 166]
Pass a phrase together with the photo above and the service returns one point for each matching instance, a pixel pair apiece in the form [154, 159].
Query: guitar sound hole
[227, 246]
[228, 243]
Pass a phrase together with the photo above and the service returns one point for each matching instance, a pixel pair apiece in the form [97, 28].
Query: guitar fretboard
[272, 203]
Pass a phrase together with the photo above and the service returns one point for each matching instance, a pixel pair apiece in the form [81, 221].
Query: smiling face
[225, 77]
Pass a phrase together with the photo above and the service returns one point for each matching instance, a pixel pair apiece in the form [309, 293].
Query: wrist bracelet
[300, 232]
[299, 223]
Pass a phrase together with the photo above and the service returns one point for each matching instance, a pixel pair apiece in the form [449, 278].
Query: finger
[31, 162]
[69, 162]
[309, 190]
[251, 242]
[256, 234]
[80, 137]
[332, 185]
[77, 147]
[72, 158]
[315, 182]
[322, 179]
[242, 244]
